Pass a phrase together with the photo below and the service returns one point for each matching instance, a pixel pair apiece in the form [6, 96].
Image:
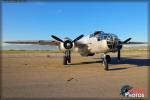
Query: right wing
[38, 42]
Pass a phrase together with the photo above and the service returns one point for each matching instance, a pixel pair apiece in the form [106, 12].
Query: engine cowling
[67, 45]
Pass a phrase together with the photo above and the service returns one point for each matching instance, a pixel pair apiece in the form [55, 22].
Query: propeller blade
[56, 38]
[78, 38]
[126, 40]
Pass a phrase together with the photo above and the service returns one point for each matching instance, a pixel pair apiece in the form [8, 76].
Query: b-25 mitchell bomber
[97, 42]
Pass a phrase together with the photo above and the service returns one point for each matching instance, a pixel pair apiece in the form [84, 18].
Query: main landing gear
[106, 59]
[67, 57]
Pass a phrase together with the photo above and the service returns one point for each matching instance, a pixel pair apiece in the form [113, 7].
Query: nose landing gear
[67, 57]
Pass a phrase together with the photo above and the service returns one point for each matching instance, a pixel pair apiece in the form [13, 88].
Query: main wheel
[105, 64]
[65, 60]
[108, 58]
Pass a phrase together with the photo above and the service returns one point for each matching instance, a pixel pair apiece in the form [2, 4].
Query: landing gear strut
[67, 57]
[106, 59]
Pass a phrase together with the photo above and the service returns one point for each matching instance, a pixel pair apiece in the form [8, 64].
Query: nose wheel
[67, 57]
[106, 59]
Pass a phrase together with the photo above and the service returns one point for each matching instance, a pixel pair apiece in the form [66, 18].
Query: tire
[65, 60]
[108, 58]
[69, 59]
[105, 65]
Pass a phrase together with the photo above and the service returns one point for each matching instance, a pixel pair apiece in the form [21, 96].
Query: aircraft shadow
[113, 69]
[124, 60]
[88, 62]
[131, 61]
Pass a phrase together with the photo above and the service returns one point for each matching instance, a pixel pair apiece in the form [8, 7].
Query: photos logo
[128, 91]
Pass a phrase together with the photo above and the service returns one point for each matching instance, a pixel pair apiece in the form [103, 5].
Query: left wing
[136, 43]
[80, 44]
[42, 42]
[38, 42]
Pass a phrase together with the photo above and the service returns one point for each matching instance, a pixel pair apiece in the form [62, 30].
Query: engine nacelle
[62, 47]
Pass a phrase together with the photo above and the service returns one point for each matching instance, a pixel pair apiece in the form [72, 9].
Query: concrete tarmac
[42, 75]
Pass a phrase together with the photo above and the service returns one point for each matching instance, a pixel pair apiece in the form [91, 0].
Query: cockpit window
[104, 37]
[96, 34]
[100, 35]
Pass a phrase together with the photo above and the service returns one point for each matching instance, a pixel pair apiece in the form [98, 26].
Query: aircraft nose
[112, 44]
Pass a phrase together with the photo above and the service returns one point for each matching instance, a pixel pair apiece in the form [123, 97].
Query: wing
[136, 43]
[80, 44]
[37, 42]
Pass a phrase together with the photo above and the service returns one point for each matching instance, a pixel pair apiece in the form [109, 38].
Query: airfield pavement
[42, 75]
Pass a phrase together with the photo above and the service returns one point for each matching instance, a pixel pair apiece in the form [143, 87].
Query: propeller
[78, 38]
[126, 40]
[120, 45]
[56, 38]
[67, 43]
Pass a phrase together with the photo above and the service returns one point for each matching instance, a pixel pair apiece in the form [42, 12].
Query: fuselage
[98, 42]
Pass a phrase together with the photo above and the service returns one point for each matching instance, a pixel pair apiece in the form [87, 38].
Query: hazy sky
[39, 20]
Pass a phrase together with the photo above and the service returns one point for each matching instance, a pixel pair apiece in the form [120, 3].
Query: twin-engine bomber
[97, 42]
